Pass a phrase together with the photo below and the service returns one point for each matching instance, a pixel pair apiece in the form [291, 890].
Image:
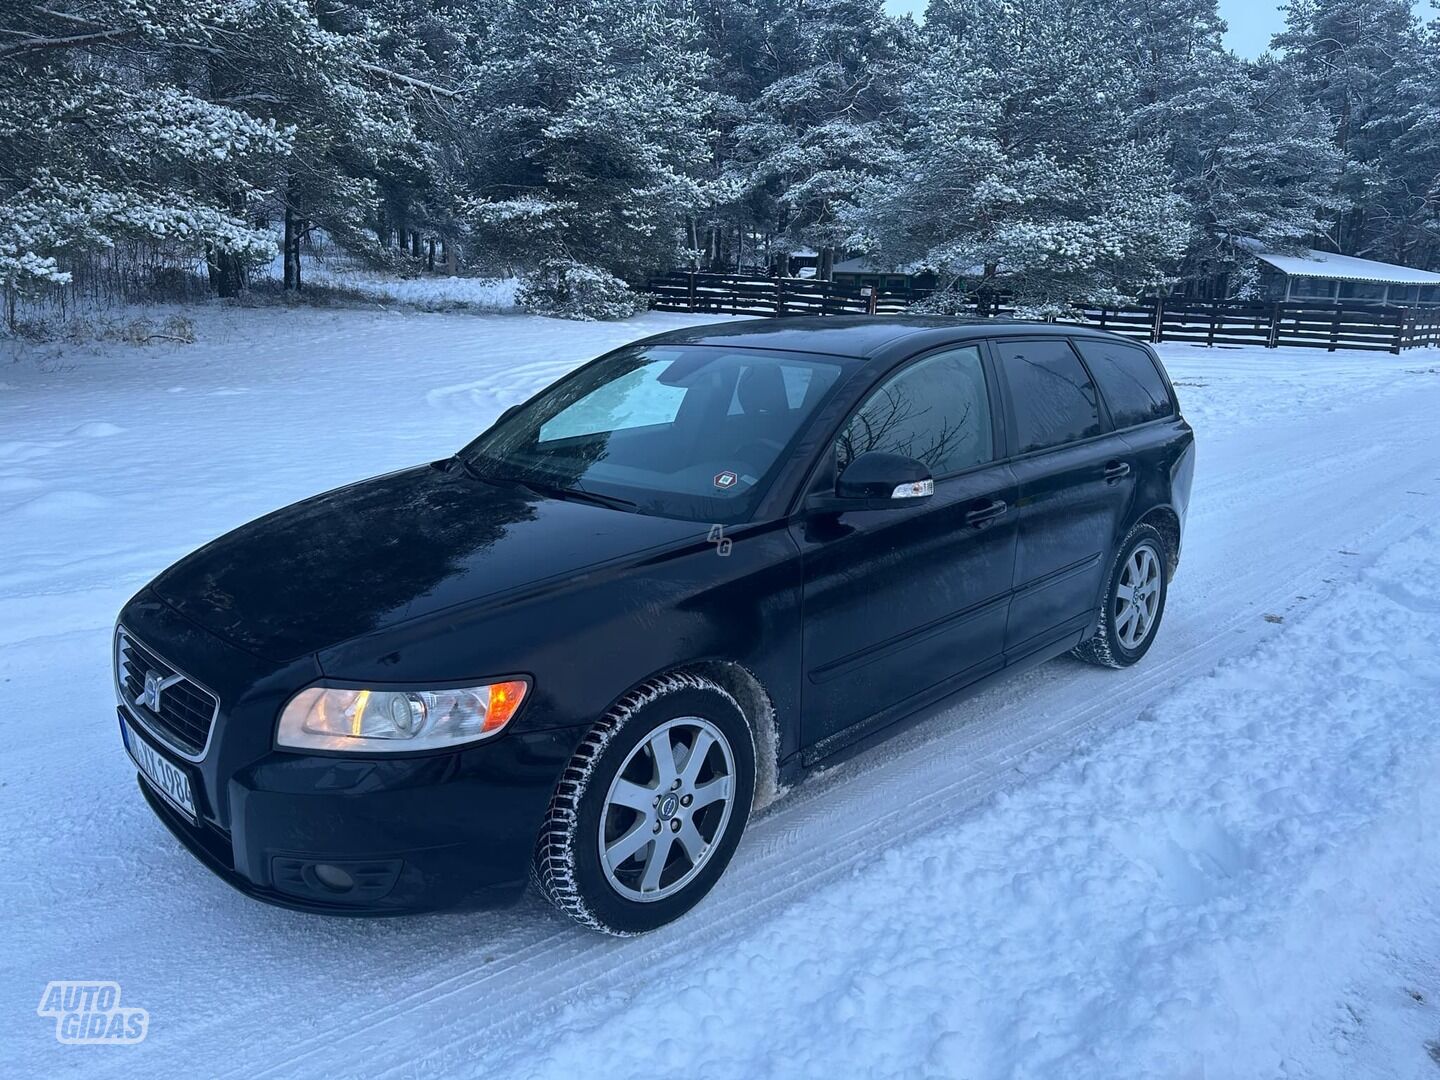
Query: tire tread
[1096, 648]
[553, 868]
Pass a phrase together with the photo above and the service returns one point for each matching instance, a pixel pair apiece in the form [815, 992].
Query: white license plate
[170, 780]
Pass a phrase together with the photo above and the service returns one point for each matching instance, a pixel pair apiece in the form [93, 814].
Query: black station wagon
[581, 650]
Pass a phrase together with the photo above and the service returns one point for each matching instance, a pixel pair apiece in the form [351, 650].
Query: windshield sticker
[725, 480]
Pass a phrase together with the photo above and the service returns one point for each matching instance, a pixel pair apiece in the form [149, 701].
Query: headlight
[397, 721]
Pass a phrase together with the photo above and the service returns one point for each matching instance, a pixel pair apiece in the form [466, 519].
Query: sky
[1252, 22]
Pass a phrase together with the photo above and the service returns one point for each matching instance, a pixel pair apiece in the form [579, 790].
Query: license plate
[169, 780]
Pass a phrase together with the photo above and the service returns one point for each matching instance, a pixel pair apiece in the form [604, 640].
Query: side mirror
[875, 475]
[878, 481]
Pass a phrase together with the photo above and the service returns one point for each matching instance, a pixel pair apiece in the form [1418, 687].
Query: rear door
[900, 602]
[1076, 482]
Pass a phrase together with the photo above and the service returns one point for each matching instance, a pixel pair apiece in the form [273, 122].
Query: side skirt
[859, 737]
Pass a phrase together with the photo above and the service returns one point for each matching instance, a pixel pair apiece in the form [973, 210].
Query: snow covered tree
[1251, 159]
[1018, 171]
[1350, 58]
[1415, 236]
[1056, 150]
[589, 138]
[429, 48]
[98, 160]
[316, 70]
[1255, 163]
[809, 97]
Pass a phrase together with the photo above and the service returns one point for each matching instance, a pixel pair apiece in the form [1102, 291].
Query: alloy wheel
[1137, 596]
[667, 809]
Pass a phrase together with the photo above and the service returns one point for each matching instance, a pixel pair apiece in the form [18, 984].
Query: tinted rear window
[1129, 380]
[1054, 400]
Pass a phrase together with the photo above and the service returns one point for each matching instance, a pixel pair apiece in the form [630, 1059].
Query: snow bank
[434, 293]
[426, 292]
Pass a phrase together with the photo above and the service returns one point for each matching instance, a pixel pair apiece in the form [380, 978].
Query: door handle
[1116, 471]
[984, 514]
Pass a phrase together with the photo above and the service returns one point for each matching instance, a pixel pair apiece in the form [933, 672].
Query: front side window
[1129, 380]
[687, 431]
[1054, 400]
[935, 411]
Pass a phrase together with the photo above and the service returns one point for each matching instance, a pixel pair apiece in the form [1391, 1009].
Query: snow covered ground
[427, 292]
[1221, 863]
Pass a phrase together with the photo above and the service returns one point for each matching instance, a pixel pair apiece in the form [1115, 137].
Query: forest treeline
[1058, 150]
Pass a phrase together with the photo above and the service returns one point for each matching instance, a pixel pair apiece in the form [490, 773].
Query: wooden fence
[1313, 324]
[729, 294]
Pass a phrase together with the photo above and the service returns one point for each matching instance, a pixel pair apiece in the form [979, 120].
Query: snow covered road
[1028, 883]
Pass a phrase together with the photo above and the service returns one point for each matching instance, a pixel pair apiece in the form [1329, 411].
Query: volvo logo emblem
[155, 685]
[669, 806]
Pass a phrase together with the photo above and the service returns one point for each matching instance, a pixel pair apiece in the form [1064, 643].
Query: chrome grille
[187, 710]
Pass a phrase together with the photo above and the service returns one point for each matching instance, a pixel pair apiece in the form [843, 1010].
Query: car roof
[858, 336]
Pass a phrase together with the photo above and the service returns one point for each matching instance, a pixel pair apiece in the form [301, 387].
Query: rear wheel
[650, 809]
[1134, 602]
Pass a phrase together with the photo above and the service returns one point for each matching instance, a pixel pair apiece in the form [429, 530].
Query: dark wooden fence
[729, 294]
[1312, 324]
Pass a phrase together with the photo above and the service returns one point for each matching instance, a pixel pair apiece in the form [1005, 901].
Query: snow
[1327, 264]
[438, 293]
[1150, 907]
[1220, 863]
[428, 292]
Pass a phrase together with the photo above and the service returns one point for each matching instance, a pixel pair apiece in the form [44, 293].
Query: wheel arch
[1165, 521]
[755, 702]
[756, 705]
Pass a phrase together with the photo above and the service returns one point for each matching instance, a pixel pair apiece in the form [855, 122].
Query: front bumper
[435, 831]
[428, 833]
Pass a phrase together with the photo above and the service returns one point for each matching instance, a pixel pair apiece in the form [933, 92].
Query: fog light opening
[333, 878]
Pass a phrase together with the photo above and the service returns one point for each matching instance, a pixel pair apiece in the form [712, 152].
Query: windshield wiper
[554, 491]
[581, 495]
[465, 466]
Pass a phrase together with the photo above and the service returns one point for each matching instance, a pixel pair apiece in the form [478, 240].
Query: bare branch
[77, 41]
[386, 73]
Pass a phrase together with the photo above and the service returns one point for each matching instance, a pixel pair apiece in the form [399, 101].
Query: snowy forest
[1059, 150]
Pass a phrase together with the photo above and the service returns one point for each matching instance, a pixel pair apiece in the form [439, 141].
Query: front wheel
[651, 807]
[1134, 602]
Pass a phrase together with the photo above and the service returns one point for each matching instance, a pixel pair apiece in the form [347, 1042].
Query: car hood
[373, 555]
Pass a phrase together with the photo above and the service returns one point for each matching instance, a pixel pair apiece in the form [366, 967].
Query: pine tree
[814, 108]
[1056, 150]
[430, 49]
[1415, 239]
[1350, 58]
[1018, 173]
[1252, 160]
[318, 71]
[589, 143]
[101, 162]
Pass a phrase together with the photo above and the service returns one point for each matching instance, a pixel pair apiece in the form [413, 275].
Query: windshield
[687, 431]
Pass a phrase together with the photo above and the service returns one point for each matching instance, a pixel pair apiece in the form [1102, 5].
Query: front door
[901, 602]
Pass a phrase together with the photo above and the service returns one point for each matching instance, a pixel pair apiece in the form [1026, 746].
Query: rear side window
[1053, 397]
[936, 411]
[1129, 380]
